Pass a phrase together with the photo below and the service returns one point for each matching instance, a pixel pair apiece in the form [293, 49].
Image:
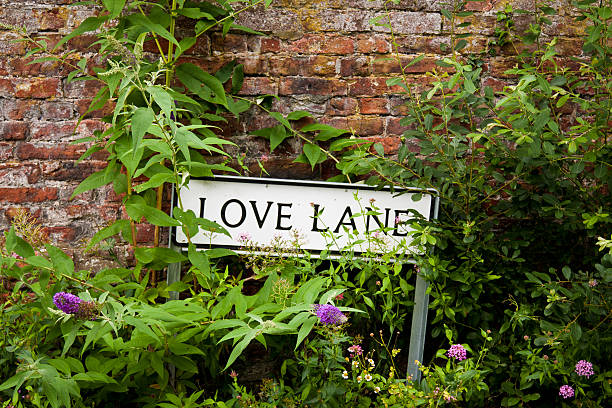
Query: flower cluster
[584, 368]
[457, 351]
[74, 305]
[329, 315]
[566, 391]
[67, 302]
[355, 349]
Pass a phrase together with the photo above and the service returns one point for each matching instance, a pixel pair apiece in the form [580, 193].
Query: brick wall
[322, 56]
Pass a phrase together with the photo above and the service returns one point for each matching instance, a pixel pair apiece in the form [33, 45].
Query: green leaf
[305, 330]
[89, 24]
[61, 262]
[182, 349]
[276, 135]
[195, 13]
[95, 180]
[237, 78]
[202, 83]
[297, 115]
[114, 7]
[155, 181]
[108, 232]
[326, 132]
[15, 243]
[312, 152]
[240, 347]
[142, 20]
[162, 98]
[142, 119]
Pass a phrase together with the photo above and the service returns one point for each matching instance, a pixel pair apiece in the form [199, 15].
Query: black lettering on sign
[260, 221]
[202, 203]
[397, 217]
[280, 216]
[316, 219]
[242, 215]
[351, 221]
[380, 224]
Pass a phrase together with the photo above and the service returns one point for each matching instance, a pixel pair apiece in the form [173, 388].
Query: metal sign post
[261, 210]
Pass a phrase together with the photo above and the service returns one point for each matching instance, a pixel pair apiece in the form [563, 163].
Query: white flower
[345, 374]
[376, 390]
[368, 377]
[358, 378]
[355, 363]
[371, 362]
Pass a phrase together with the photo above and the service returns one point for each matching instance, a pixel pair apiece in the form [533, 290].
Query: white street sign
[320, 215]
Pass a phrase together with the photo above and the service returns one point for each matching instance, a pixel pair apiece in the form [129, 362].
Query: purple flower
[593, 283]
[67, 302]
[329, 315]
[566, 391]
[457, 351]
[584, 368]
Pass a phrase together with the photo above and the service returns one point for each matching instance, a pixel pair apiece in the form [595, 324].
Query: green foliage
[523, 175]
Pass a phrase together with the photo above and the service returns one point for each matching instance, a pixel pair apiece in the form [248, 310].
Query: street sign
[313, 215]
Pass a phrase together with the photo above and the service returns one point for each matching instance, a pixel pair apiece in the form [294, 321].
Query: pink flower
[355, 349]
[566, 391]
[584, 368]
[457, 351]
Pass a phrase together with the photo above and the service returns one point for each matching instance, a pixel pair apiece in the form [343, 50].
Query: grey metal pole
[418, 328]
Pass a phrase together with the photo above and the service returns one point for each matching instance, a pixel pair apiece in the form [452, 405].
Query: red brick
[7, 87]
[28, 194]
[322, 44]
[144, 233]
[51, 19]
[8, 47]
[373, 106]
[22, 67]
[39, 88]
[230, 43]
[84, 43]
[373, 44]
[82, 106]
[52, 130]
[374, 86]
[63, 234]
[361, 126]
[82, 89]
[254, 65]
[390, 144]
[258, 86]
[13, 130]
[342, 107]
[390, 65]
[28, 151]
[269, 45]
[57, 110]
[20, 109]
[311, 86]
[355, 66]
[69, 171]
[394, 127]
[18, 174]
[415, 44]
[6, 150]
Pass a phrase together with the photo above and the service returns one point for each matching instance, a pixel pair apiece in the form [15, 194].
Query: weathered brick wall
[322, 56]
